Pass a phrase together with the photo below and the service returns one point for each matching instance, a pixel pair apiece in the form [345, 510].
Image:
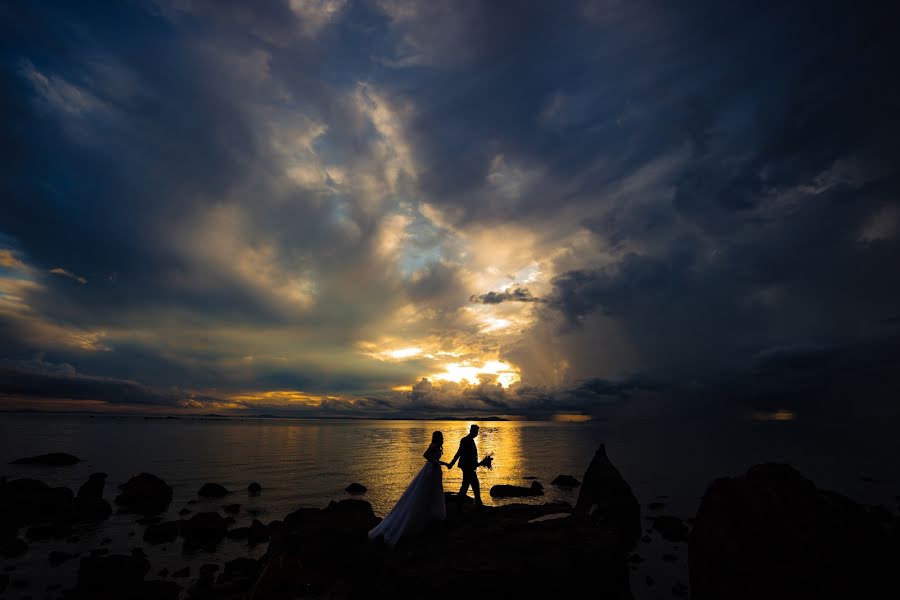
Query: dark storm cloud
[519, 294]
[193, 190]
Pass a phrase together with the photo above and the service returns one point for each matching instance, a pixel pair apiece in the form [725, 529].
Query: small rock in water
[656, 505]
[184, 511]
[258, 533]
[515, 491]
[232, 509]
[238, 533]
[161, 532]
[203, 529]
[145, 493]
[356, 488]
[185, 572]
[565, 481]
[53, 459]
[212, 490]
[254, 488]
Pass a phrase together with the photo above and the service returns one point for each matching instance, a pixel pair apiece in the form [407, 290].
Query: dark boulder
[238, 533]
[607, 497]
[204, 529]
[671, 528]
[113, 576]
[258, 533]
[211, 490]
[771, 533]
[53, 459]
[254, 488]
[24, 501]
[356, 489]
[565, 481]
[89, 503]
[13, 548]
[516, 491]
[58, 557]
[145, 493]
[184, 511]
[232, 509]
[161, 532]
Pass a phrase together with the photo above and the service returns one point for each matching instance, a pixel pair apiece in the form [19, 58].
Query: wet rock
[56, 531]
[232, 509]
[185, 572]
[254, 488]
[204, 529]
[211, 490]
[58, 557]
[229, 521]
[13, 548]
[258, 533]
[656, 505]
[671, 528]
[607, 497]
[565, 481]
[771, 533]
[156, 590]
[356, 489]
[161, 532]
[92, 489]
[184, 511]
[53, 459]
[25, 501]
[238, 533]
[145, 493]
[515, 491]
[113, 576]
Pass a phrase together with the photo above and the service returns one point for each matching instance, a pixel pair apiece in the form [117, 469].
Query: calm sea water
[309, 462]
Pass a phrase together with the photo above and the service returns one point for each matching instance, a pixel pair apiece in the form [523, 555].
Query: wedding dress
[421, 503]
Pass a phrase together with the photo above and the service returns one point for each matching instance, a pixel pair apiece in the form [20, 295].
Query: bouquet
[488, 461]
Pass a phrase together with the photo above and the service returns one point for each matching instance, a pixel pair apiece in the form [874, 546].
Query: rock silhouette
[161, 532]
[515, 491]
[145, 493]
[112, 576]
[204, 529]
[89, 503]
[254, 488]
[212, 490]
[606, 496]
[258, 533]
[565, 481]
[356, 488]
[53, 459]
[771, 533]
[26, 501]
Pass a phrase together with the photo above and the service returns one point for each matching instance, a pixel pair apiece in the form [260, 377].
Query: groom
[468, 463]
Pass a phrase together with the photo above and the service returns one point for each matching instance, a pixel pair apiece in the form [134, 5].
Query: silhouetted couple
[423, 501]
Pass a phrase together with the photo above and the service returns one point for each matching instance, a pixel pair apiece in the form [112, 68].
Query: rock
[671, 528]
[326, 553]
[99, 551]
[156, 590]
[113, 576]
[771, 533]
[565, 481]
[13, 548]
[356, 489]
[164, 572]
[515, 491]
[679, 590]
[92, 489]
[229, 521]
[25, 501]
[56, 531]
[57, 557]
[211, 490]
[161, 532]
[669, 557]
[656, 505]
[185, 572]
[204, 529]
[237, 578]
[238, 533]
[145, 493]
[254, 488]
[53, 459]
[606, 496]
[184, 511]
[258, 533]
[232, 509]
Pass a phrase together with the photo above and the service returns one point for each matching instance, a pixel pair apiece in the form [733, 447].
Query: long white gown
[420, 504]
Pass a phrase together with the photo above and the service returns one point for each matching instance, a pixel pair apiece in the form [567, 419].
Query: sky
[386, 208]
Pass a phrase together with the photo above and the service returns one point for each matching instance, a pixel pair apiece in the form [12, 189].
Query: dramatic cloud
[386, 207]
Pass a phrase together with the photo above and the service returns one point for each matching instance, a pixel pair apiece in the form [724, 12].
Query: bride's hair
[437, 439]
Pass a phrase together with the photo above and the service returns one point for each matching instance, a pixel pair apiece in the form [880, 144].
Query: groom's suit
[468, 463]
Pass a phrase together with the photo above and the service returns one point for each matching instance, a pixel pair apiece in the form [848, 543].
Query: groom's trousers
[470, 477]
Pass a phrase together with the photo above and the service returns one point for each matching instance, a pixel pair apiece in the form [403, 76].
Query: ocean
[310, 462]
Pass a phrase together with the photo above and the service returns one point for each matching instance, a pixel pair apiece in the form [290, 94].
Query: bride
[421, 503]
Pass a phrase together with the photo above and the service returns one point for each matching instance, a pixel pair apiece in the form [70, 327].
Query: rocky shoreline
[769, 533]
